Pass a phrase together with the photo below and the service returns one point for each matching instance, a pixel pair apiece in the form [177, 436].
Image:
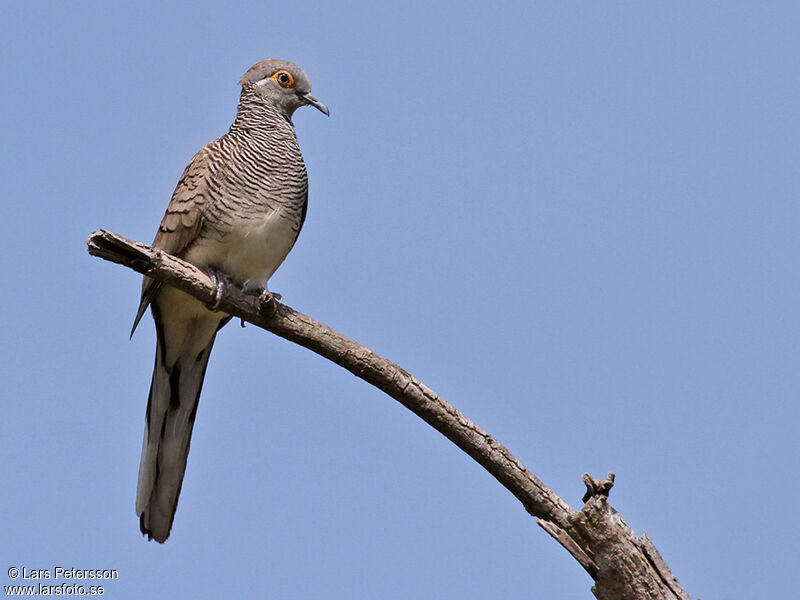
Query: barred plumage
[238, 208]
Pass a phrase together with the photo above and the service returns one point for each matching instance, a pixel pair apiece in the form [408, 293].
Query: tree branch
[623, 565]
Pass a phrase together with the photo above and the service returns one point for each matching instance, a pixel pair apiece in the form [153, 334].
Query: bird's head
[283, 84]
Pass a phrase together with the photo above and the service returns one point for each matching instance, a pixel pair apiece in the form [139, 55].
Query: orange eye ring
[284, 78]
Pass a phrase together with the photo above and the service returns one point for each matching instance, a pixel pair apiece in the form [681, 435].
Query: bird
[236, 213]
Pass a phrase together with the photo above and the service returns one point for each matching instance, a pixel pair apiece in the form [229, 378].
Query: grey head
[283, 84]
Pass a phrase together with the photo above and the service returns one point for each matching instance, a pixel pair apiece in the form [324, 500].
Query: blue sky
[575, 221]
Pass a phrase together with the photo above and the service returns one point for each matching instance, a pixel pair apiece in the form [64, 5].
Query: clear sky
[577, 221]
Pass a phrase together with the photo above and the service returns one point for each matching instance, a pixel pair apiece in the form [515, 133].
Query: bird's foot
[259, 289]
[267, 302]
[219, 281]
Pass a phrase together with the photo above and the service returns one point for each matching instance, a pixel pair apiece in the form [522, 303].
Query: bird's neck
[255, 113]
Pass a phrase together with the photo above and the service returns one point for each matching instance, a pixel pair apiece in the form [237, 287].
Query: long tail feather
[171, 410]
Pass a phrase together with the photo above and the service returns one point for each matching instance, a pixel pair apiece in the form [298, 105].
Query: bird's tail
[171, 410]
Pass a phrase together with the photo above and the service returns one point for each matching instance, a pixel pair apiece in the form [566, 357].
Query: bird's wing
[184, 217]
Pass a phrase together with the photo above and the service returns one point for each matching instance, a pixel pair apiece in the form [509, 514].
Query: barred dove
[237, 209]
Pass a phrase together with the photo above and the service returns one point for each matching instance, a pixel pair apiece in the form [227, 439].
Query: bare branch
[624, 566]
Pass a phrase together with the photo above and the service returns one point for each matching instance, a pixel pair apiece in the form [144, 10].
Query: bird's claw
[217, 288]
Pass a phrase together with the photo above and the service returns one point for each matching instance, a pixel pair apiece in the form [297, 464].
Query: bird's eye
[284, 78]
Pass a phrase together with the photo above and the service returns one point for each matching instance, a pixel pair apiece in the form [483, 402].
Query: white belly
[251, 252]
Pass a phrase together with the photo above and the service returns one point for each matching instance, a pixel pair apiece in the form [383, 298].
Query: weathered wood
[563, 538]
[623, 566]
[597, 487]
[627, 566]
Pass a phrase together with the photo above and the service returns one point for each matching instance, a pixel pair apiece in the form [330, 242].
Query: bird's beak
[310, 100]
